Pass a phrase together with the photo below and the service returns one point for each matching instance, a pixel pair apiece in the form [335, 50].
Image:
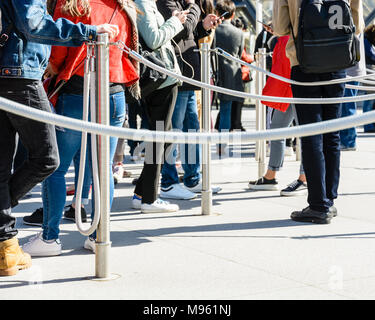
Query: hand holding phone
[266, 26]
[223, 15]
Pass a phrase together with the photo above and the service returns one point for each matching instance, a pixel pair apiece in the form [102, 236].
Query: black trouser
[321, 152]
[135, 109]
[38, 138]
[159, 109]
[236, 115]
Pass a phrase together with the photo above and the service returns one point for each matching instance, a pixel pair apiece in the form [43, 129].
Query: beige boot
[12, 258]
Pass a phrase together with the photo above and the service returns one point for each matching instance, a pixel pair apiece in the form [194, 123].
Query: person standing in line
[232, 40]
[27, 24]
[157, 34]
[67, 64]
[282, 117]
[348, 136]
[369, 41]
[185, 115]
[321, 152]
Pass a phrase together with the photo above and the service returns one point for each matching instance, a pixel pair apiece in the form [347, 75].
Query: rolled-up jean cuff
[301, 171]
[274, 168]
[84, 201]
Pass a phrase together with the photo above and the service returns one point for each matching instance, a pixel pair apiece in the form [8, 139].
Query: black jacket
[185, 43]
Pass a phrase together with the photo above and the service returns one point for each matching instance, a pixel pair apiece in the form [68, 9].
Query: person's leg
[39, 140]
[160, 109]
[235, 116]
[7, 144]
[368, 105]
[277, 147]
[190, 152]
[21, 155]
[169, 172]
[331, 141]
[312, 146]
[117, 118]
[348, 136]
[87, 179]
[39, 164]
[133, 112]
[225, 115]
[54, 187]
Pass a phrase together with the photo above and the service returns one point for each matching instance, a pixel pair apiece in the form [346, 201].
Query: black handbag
[150, 79]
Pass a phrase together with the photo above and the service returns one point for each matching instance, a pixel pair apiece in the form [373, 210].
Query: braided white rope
[225, 54]
[241, 94]
[180, 137]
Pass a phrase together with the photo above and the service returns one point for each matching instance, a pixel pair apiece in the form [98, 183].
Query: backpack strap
[5, 35]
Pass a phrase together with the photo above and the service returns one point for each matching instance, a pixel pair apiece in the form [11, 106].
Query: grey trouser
[281, 120]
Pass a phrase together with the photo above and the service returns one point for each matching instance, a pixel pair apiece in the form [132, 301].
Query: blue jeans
[348, 136]
[368, 105]
[225, 115]
[185, 118]
[69, 143]
[321, 152]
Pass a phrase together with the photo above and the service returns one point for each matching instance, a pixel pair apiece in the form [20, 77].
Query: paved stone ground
[249, 249]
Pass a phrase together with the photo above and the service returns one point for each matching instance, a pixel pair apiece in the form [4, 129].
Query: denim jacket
[26, 53]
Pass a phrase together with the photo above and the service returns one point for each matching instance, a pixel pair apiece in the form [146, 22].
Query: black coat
[185, 43]
[232, 40]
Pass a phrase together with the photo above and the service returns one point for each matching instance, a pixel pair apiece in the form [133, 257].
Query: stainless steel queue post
[206, 127]
[257, 104]
[262, 113]
[103, 243]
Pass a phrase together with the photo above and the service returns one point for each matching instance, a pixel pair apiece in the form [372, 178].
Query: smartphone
[223, 15]
[264, 25]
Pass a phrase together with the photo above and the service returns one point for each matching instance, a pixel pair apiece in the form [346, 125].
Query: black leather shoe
[333, 211]
[309, 215]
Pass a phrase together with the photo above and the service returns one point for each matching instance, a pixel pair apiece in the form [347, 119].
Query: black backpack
[326, 40]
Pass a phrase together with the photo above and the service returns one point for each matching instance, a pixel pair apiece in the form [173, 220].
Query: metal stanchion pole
[103, 243]
[206, 127]
[298, 150]
[262, 114]
[257, 104]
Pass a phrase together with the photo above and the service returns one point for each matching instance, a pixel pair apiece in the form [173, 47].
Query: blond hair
[77, 8]
[81, 8]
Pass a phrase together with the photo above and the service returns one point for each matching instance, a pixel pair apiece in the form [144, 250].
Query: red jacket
[280, 67]
[121, 68]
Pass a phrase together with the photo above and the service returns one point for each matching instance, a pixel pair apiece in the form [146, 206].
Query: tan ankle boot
[12, 258]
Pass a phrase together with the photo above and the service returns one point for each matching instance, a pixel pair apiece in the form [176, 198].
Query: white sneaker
[89, 244]
[118, 172]
[178, 192]
[159, 206]
[198, 188]
[37, 247]
[136, 202]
